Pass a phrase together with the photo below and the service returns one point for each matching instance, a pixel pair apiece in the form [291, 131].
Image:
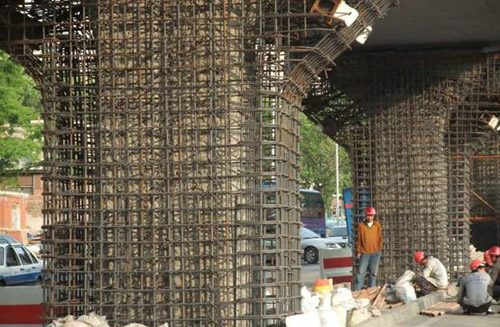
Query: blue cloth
[367, 262]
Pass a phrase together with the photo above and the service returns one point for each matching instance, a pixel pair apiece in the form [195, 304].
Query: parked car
[311, 243]
[339, 234]
[7, 239]
[18, 265]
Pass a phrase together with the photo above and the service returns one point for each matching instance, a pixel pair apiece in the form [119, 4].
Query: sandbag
[309, 302]
[93, 320]
[407, 277]
[341, 295]
[301, 320]
[404, 289]
[90, 320]
[327, 316]
[357, 316]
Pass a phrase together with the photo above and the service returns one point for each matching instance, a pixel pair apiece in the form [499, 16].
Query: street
[310, 272]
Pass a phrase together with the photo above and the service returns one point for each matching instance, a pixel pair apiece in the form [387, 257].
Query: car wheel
[38, 281]
[311, 255]
[2, 283]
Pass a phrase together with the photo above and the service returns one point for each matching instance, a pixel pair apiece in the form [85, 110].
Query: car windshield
[307, 233]
[338, 231]
[2, 252]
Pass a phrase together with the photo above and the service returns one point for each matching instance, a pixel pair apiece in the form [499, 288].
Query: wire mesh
[412, 122]
[171, 144]
[485, 202]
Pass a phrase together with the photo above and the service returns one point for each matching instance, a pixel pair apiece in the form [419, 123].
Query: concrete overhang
[437, 24]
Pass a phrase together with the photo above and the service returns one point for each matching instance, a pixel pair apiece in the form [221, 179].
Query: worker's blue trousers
[367, 262]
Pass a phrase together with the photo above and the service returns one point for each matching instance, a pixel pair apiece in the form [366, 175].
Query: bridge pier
[171, 133]
[412, 145]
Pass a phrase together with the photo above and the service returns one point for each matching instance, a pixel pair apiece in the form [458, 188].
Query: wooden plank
[380, 297]
[368, 293]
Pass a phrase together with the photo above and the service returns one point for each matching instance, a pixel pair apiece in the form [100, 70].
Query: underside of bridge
[421, 148]
[171, 144]
[412, 106]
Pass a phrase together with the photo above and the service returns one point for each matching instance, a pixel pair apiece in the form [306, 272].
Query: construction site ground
[311, 272]
[456, 319]
[408, 316]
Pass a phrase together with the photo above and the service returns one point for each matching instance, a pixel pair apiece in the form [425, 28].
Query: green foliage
[318, 161]
[20, 102]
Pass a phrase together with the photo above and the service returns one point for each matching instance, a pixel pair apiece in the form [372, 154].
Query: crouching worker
[473, 294]
[494, 287]
[433, 277]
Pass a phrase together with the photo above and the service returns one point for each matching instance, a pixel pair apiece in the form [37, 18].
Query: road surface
[309, 274]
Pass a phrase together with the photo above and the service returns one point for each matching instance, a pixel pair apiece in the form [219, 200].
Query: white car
[311, 243]
[339, 234]
[18, 265]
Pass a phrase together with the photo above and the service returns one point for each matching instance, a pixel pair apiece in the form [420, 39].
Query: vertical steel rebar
[171, 145]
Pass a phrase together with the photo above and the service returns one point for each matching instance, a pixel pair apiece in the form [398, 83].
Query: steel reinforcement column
[408, 154]
[171, 144]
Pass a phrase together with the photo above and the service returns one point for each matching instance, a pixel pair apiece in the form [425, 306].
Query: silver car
[17, 264]
[311, 243]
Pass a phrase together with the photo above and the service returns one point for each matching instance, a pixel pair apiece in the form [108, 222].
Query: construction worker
[494, 271]
[433, 276]
[368, 249]
[487, 259]
[473, 294]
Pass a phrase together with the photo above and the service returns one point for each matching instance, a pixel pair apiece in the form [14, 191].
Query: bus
[312, 214]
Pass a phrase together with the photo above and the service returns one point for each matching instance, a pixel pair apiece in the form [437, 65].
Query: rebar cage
[171, 144]
[414, 124]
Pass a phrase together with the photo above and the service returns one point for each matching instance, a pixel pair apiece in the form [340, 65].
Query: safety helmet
[419, 256]
[370, 211]
[475, 264]
[495, 251]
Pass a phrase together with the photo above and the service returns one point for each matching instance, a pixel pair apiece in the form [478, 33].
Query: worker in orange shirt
[368, 249]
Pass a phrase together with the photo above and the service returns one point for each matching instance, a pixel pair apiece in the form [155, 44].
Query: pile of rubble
[90, 320]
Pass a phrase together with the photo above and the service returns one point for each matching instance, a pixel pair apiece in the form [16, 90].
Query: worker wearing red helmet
[433, 276]
[494, 287]
[368, 249]
[473, 294]
[487, 258]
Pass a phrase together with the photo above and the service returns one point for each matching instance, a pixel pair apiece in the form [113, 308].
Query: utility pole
[337, 208]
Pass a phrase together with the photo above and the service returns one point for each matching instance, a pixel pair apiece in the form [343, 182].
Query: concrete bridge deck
[437, 23]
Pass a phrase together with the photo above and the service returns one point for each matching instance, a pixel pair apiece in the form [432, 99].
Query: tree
[317, 160]
[20, 140]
